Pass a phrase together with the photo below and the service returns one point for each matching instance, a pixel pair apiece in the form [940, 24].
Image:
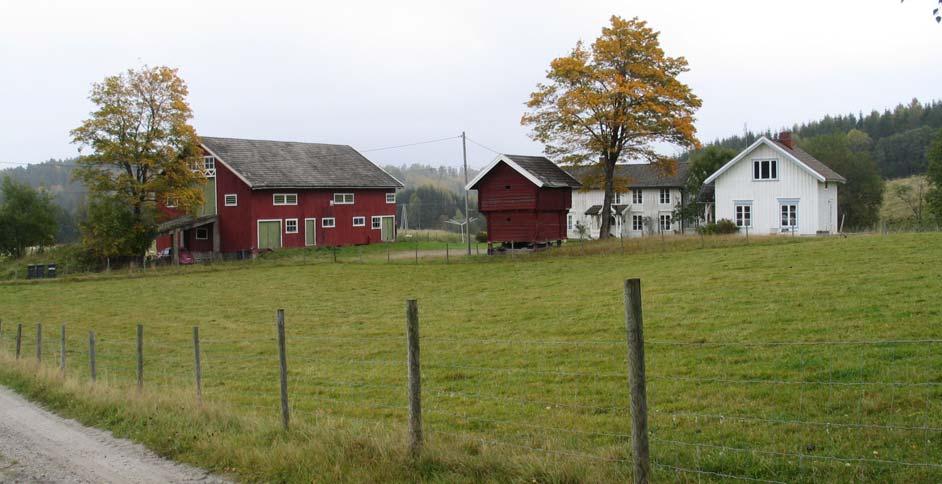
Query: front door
[310, 236]
[269, 234]
[389, 229]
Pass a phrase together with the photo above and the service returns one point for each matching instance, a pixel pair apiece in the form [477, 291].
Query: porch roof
[185, 222]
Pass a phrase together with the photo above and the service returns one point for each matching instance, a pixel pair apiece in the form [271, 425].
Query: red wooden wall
[519, 211]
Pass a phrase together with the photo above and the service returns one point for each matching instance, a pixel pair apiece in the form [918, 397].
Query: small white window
[617, 198]
[743, 215]
[764, 170]
[231, 199]
[209, 163]
[171, 202]
[359, 221]
[637, 222]
[665, 220]
[202, 234]
[391, 197]
[291, 225]
[665, 195]
[376, 223]
[343, 199]
[285, 199]
[789, 216]
[328, 222]
[636, 196]
[569, 221]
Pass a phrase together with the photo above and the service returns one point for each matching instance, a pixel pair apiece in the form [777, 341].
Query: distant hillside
[903, 204]
[900, 136]
[432, 196]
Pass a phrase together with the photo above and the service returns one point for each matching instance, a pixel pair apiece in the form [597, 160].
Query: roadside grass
[524, 361]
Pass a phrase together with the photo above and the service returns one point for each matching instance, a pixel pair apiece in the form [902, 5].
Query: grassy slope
[893, 208]
[521, 354]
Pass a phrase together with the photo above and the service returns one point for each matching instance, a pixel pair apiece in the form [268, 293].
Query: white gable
[529, 176]
[763, 141]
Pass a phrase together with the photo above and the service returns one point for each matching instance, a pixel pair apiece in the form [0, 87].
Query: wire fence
[763, 411]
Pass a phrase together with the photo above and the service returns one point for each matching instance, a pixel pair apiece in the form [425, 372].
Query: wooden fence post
[415, 378]
[19, 339]
[283, 360]
[62, 349]
[446, 252]
[140, 357]
[91, 354]
[636, 382]
[39, 342]
[197, 368]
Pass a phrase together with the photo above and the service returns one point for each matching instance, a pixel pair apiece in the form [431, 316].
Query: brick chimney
[785, 137]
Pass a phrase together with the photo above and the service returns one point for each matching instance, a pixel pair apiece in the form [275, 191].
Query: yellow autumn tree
[613, 102]
[143, 149]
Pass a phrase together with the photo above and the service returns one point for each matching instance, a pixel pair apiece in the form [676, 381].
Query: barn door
[269, 234]
[389, 229]
[310, 236]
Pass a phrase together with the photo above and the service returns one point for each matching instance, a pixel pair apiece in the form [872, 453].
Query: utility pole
[467, 216]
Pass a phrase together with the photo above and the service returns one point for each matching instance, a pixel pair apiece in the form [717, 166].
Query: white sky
[375, 74]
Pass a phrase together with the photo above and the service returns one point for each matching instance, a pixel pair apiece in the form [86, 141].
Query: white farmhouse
[645, 209]
[774, 187]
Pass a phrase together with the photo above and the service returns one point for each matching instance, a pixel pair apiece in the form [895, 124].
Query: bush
[481, 236]
[724, 226]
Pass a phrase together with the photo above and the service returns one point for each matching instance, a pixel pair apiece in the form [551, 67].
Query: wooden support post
[283, 360]
[140, 357]
[197, 367]
[415, 378]
[39, 342]
[217, 254]
[175, 246]
[62, 349]
[19, 339]
[636, 382]
[91, 354]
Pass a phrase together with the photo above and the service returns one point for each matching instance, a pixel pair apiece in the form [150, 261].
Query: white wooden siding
[650, 207]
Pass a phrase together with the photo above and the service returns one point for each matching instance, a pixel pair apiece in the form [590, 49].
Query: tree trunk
[606, 214]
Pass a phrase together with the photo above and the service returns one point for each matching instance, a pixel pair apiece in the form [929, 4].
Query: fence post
[39, 342]
[636, 382]
[91, 354]
[335, 253]
[416, 250]
[62, 349]
[283, 360]
[415, 378]
[197, 368]
[19, 339]
[446, 252]
[140, 357]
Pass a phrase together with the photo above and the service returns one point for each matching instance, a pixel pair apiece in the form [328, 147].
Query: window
[202, 233]
[744, 215]
[291, 225]
[665, 195]
[376, 223]
[285, 199]
[231, 199]
[665, 220]
[328, 222]
[343, 199]
[617, 198]
[569, 222]
[171, 202]
[391, 197]
[209, 163]
[789, 216]
[764, 170]
[637, 197]
[359, 221]
[637, 222]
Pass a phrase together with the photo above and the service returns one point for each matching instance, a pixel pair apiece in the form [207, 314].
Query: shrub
[726, 226]
[481, 236]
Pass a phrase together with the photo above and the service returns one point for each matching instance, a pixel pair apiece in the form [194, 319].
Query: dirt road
[38, 446]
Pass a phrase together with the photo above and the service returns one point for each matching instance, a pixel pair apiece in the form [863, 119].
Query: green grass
[523, 361]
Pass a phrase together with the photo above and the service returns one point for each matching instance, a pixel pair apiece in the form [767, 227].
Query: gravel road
[38, 446]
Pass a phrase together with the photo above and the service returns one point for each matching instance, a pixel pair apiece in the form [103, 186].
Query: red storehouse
[525, 200]
[263, 195]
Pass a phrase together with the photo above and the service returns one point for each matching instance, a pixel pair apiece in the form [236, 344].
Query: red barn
[525, 200]
[264, 195]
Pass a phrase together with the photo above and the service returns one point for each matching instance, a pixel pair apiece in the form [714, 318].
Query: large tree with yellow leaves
[613, 102]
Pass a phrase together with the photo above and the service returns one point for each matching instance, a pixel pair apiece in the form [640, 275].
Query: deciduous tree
[934, 174]
[611, 102]
[27, 218]
[861, 197]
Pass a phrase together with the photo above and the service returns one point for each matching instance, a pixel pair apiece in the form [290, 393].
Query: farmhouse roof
[639, 175]
[811, 162]
[288, 164]
[538, 169]
[807, 162]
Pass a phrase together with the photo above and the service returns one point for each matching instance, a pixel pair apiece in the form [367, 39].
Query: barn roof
[287, 164]
[538, 169]
[639, 175]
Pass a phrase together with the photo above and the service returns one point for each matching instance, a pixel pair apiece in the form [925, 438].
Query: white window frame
[343, 198]
[746, 213]
[664, 197]
[285, 196]
[788, 227]
[660, 221]
[637, 196]
[204, 230]
[637, 222]
[209, 162]
[287, 229]
[376, 222]
[315, 232]
[391, 197]
[617, 198]
[362, 221]
[235, 199]
[569, 222]
[324, 221]
[170, 202]
[773, 169]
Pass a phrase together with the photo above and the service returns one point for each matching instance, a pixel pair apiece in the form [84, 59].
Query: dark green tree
[860, 198]
[934, 174]
[27, 219]
[112, 229]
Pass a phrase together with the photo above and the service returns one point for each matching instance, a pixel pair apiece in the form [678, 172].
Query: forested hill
[55, 177]
[900, 136]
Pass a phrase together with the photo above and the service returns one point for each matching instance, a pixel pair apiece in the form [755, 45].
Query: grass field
[523, 361]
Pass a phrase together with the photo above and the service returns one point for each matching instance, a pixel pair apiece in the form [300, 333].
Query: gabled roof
[640, 175]
[807, 162]
[538, 169]
[288, 164]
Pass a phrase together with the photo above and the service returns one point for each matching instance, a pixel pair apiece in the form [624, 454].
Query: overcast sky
[375, 74]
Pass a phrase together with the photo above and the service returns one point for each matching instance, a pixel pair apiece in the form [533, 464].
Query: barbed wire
[712, 473]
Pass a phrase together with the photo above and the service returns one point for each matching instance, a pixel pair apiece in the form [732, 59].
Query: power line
[411, 144]
[485, 147]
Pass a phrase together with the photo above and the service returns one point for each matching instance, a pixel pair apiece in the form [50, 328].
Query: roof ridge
[277, 141]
